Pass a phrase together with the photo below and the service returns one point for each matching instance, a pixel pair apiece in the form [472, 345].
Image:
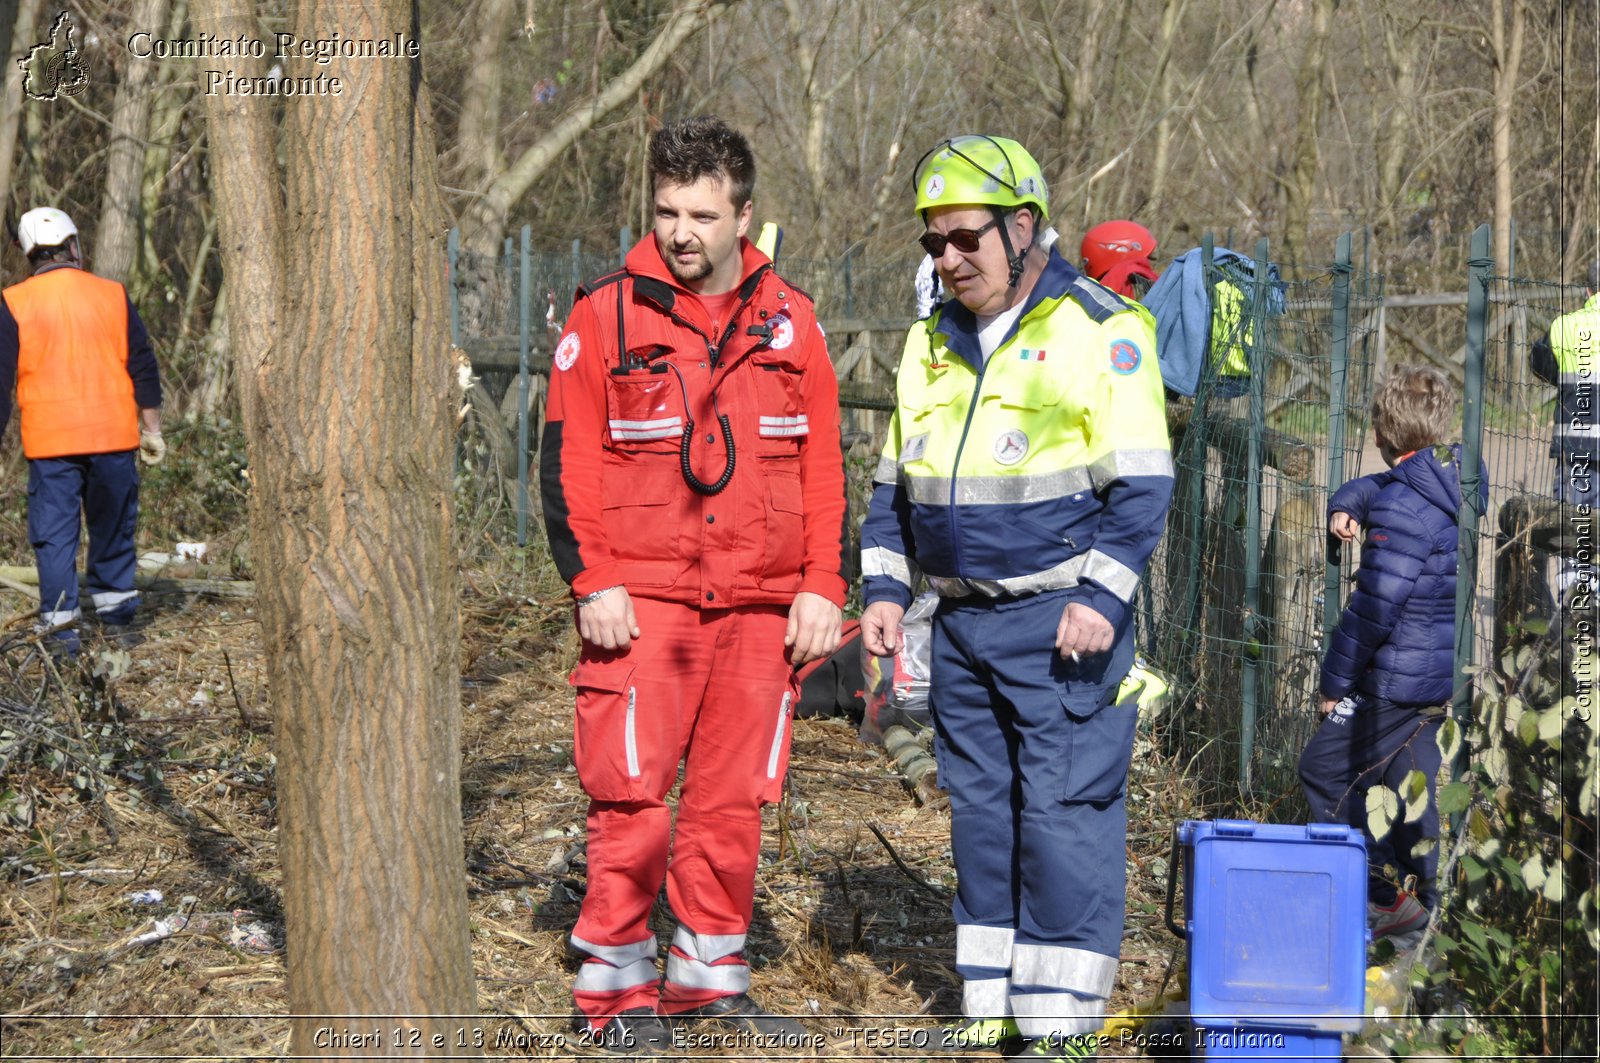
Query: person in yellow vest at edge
[1569, 358]
[89, 393]
[1026, 475]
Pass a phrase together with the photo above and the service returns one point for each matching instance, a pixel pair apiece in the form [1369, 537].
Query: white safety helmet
[44, 227]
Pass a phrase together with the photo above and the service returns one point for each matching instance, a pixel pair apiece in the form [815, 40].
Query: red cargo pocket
[781, 424]
[644, 411]
[605, 744]
[784, 544]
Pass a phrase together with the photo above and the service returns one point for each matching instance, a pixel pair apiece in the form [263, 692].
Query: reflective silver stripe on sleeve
[780, 427]
[887, 472]
[1065, 574]
[661, 428]
[1120, 464]
[1111, 574]
[881, 561]
[999, 490]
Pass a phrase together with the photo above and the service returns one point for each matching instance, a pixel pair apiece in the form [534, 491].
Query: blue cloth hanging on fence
[1181, 303]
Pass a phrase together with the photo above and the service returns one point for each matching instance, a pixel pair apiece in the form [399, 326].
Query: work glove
[152, 448]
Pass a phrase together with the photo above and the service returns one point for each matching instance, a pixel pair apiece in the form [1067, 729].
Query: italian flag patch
[1030, 354]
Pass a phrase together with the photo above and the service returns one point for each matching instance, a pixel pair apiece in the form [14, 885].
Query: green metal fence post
[1250, 667]
[1479, 269]
[524, 315]
[1338, 399]
[576, 274]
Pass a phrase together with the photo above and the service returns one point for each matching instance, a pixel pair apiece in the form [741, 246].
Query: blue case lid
[1277, 924]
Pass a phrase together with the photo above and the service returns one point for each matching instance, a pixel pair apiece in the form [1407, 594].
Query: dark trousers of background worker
[1036, 761]
[101, 490]
[1366, 742]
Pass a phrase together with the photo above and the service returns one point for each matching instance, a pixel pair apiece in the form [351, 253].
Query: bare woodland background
[288, 258]
[1292, 119]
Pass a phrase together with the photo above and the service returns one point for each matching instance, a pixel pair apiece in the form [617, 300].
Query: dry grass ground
[852, 932]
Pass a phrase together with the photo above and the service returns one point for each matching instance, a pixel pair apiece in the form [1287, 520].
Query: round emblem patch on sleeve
[567, 352]
[782, 332]
[1125, 356]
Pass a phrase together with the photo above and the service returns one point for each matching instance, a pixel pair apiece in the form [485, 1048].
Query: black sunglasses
[964, 240]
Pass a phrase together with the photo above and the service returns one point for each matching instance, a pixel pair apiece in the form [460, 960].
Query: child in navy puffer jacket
[1389, 672]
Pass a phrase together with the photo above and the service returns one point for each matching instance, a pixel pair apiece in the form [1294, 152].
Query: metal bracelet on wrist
[590, 599]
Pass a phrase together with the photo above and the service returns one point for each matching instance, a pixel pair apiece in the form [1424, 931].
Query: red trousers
[711, 688]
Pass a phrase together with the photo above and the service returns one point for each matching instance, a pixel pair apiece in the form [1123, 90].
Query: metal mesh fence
[1529, 540]
[1234, 604]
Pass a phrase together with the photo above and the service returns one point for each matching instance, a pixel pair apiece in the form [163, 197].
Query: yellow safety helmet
[975, 170]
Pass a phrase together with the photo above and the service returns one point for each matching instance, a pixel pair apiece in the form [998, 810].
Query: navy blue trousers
[101, 490]
[1035, 759]
[1364, 743]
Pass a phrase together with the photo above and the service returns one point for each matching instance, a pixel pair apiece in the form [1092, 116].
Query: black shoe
[740, 1013]
[637, 1031]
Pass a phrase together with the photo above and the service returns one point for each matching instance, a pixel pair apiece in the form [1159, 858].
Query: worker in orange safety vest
[89, 393]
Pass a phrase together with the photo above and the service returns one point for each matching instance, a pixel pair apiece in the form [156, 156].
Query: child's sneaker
[1403, 917]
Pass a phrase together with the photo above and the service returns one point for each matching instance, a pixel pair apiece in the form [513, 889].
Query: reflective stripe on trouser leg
[708, 961]
[111, 513]
[983, 960]
[634, 716]
[614, 978]
[1060, 990]
[55, 509]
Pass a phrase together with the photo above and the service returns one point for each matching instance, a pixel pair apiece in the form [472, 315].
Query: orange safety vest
[73, 389]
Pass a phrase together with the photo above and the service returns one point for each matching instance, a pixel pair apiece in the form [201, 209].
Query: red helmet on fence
[1111, 242]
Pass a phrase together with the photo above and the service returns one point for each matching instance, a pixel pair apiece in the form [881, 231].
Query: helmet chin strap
[1014, 260]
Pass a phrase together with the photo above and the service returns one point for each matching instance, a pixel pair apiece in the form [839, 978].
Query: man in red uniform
[694, 499]
[89, 392]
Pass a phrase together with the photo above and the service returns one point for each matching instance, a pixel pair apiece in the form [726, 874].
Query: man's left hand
[813, 631]
[1083, 631]
[152, 448]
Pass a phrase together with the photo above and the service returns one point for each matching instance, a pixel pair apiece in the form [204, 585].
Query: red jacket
[618, 508]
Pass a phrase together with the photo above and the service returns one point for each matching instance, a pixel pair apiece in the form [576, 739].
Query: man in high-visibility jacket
[1026, 474]
[89, 394]
[694, 499]
[1569, 358]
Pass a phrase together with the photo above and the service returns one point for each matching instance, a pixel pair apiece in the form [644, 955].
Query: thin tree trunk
[350, 449]
[1310, 82]
[22, 37]
[117, 241]
[1507, 59]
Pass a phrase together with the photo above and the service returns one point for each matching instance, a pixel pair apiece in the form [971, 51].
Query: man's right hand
[608, 622]
[880, 628]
